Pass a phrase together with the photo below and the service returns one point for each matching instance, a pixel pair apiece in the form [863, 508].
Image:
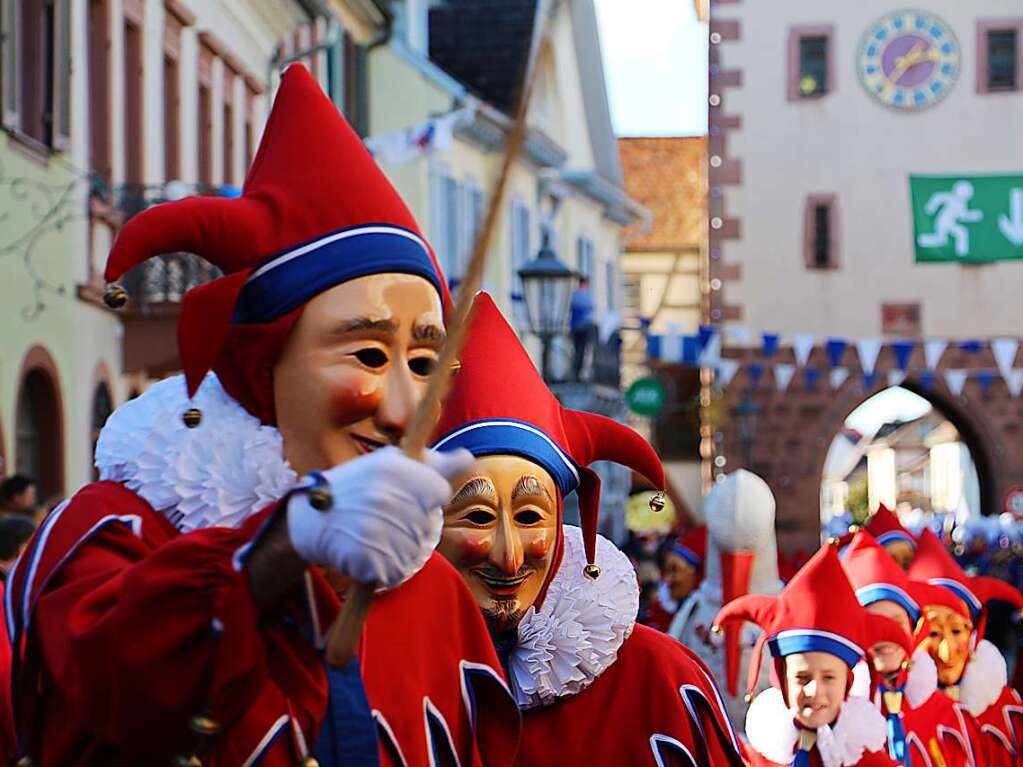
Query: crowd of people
[262, 575]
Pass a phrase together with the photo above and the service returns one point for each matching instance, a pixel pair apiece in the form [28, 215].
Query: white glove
[385, 520]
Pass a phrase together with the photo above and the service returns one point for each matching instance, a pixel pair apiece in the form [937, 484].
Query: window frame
[796, 35]
[984, 28]
[813, 202]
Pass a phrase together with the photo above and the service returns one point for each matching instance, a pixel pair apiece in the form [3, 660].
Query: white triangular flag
[783, 375]
[955, 380]
[838, 377]
[1004, 351]
[738, 334]
[1014, 380]
[711, 353]
[726, 370]
[933, 350]
[802, 345]
[896, 377]
[869, 349]
[671, 343]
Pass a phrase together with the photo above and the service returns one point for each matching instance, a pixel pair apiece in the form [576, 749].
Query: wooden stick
[347, 629]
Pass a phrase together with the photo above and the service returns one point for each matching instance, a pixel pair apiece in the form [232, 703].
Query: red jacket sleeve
[134, 634]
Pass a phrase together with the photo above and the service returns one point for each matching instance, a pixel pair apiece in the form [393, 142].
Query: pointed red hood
[500, 405]
[315, 211]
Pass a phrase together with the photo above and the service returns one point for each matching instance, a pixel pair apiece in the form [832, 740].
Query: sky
[894, 404]
[655, 61]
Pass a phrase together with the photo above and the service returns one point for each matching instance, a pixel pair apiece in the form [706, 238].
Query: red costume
[136, 636]
[579, 658]
[885, 527]
[983, 688]
[922, 720]
[816, 612]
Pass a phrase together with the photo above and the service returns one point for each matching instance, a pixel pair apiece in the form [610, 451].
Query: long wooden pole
[347, 629]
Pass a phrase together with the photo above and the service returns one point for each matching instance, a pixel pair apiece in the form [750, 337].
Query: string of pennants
[704, 350]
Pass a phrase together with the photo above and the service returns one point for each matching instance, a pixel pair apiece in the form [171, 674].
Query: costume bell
[175, 610]
[817, 633]
[561, 601]
[971, 670]
[925, 727]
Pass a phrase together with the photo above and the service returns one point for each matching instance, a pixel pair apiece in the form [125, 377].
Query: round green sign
[646, 397]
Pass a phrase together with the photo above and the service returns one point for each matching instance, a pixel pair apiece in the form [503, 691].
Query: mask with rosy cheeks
[948, 642]
[888, 656]
[355, 367]
[500, 533]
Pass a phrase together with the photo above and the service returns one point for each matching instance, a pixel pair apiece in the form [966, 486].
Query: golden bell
[716, 629]
[834, 540]
[310, 762]
[455, 368]
[115, 296]
[853, 529]
[748, 697]
[592, 572]
[203, 725]
[657, 502]
[187, 760]
[192, 417]
[320, 497]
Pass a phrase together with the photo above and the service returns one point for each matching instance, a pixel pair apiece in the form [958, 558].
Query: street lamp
[745, 415]
[547, 285]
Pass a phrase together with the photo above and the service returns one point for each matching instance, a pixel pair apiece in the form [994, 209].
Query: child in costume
[595, 688]
[925, 727]
[817, 633]
[175, 612]
[971, 670]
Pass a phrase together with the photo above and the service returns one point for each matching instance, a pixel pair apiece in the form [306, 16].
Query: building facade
[864, 187]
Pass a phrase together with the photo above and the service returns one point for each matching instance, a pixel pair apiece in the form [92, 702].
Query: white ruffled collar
[772, 733]
[215, 475]
[576, 634]
[984, 679]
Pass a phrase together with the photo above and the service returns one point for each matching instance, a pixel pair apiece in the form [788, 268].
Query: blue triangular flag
[653, 347]
[706, 333]
[756, 372]
[770, 344]
[985, 378]
[971, 347]
[903, 350]
[645, 323]
[836, 348]
[869, 379]
[690, 350]
[926, 380]
[810, 376]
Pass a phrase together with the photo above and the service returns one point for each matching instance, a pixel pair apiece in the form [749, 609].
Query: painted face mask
[948, 642]
[500, 533]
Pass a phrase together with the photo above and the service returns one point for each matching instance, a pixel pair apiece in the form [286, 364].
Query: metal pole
[546, 365]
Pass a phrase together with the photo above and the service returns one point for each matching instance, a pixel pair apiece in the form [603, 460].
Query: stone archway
[39, 424]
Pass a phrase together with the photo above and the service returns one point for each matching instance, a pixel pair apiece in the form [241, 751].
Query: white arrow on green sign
[967, 219]
[646, 397]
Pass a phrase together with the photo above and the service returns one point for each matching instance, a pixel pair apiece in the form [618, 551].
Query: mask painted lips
[367, 445]
[500, 586]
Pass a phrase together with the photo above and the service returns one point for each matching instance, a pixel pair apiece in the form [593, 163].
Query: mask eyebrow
[530, 486]
[428, 333]
[364, 324]
[475, 488]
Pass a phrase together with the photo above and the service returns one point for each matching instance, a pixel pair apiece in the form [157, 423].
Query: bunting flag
[836, 348]
[933, 349]
[838, 377]
[902, 350]
[1014, 381]
[725, 372]
[955, 379]
[896, 377]
[756, 372]
[783, 376]
[810, 376]
[869, 349]
[802, 345]
[705, 334]
[869, 379]
[985, 378]
[971, 346]
[770, 345]
[711, 353]
[1004, 351]
[927, 380]
[739, 334]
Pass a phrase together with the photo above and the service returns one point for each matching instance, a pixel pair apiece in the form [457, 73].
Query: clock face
[909, 60]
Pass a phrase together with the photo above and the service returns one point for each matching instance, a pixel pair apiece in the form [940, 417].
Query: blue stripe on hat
[507, 436]
[876, 592]
[286, 280]
[962, 592]
[792, 641]
[688, 555]
[896, 535]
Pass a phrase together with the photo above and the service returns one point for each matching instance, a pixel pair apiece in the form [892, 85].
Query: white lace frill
[984, 679]
[575, 636]
[920, 686]
[772, 733]
[214, 475]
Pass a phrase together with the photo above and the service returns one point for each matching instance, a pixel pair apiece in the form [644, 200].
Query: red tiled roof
[666, 175]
